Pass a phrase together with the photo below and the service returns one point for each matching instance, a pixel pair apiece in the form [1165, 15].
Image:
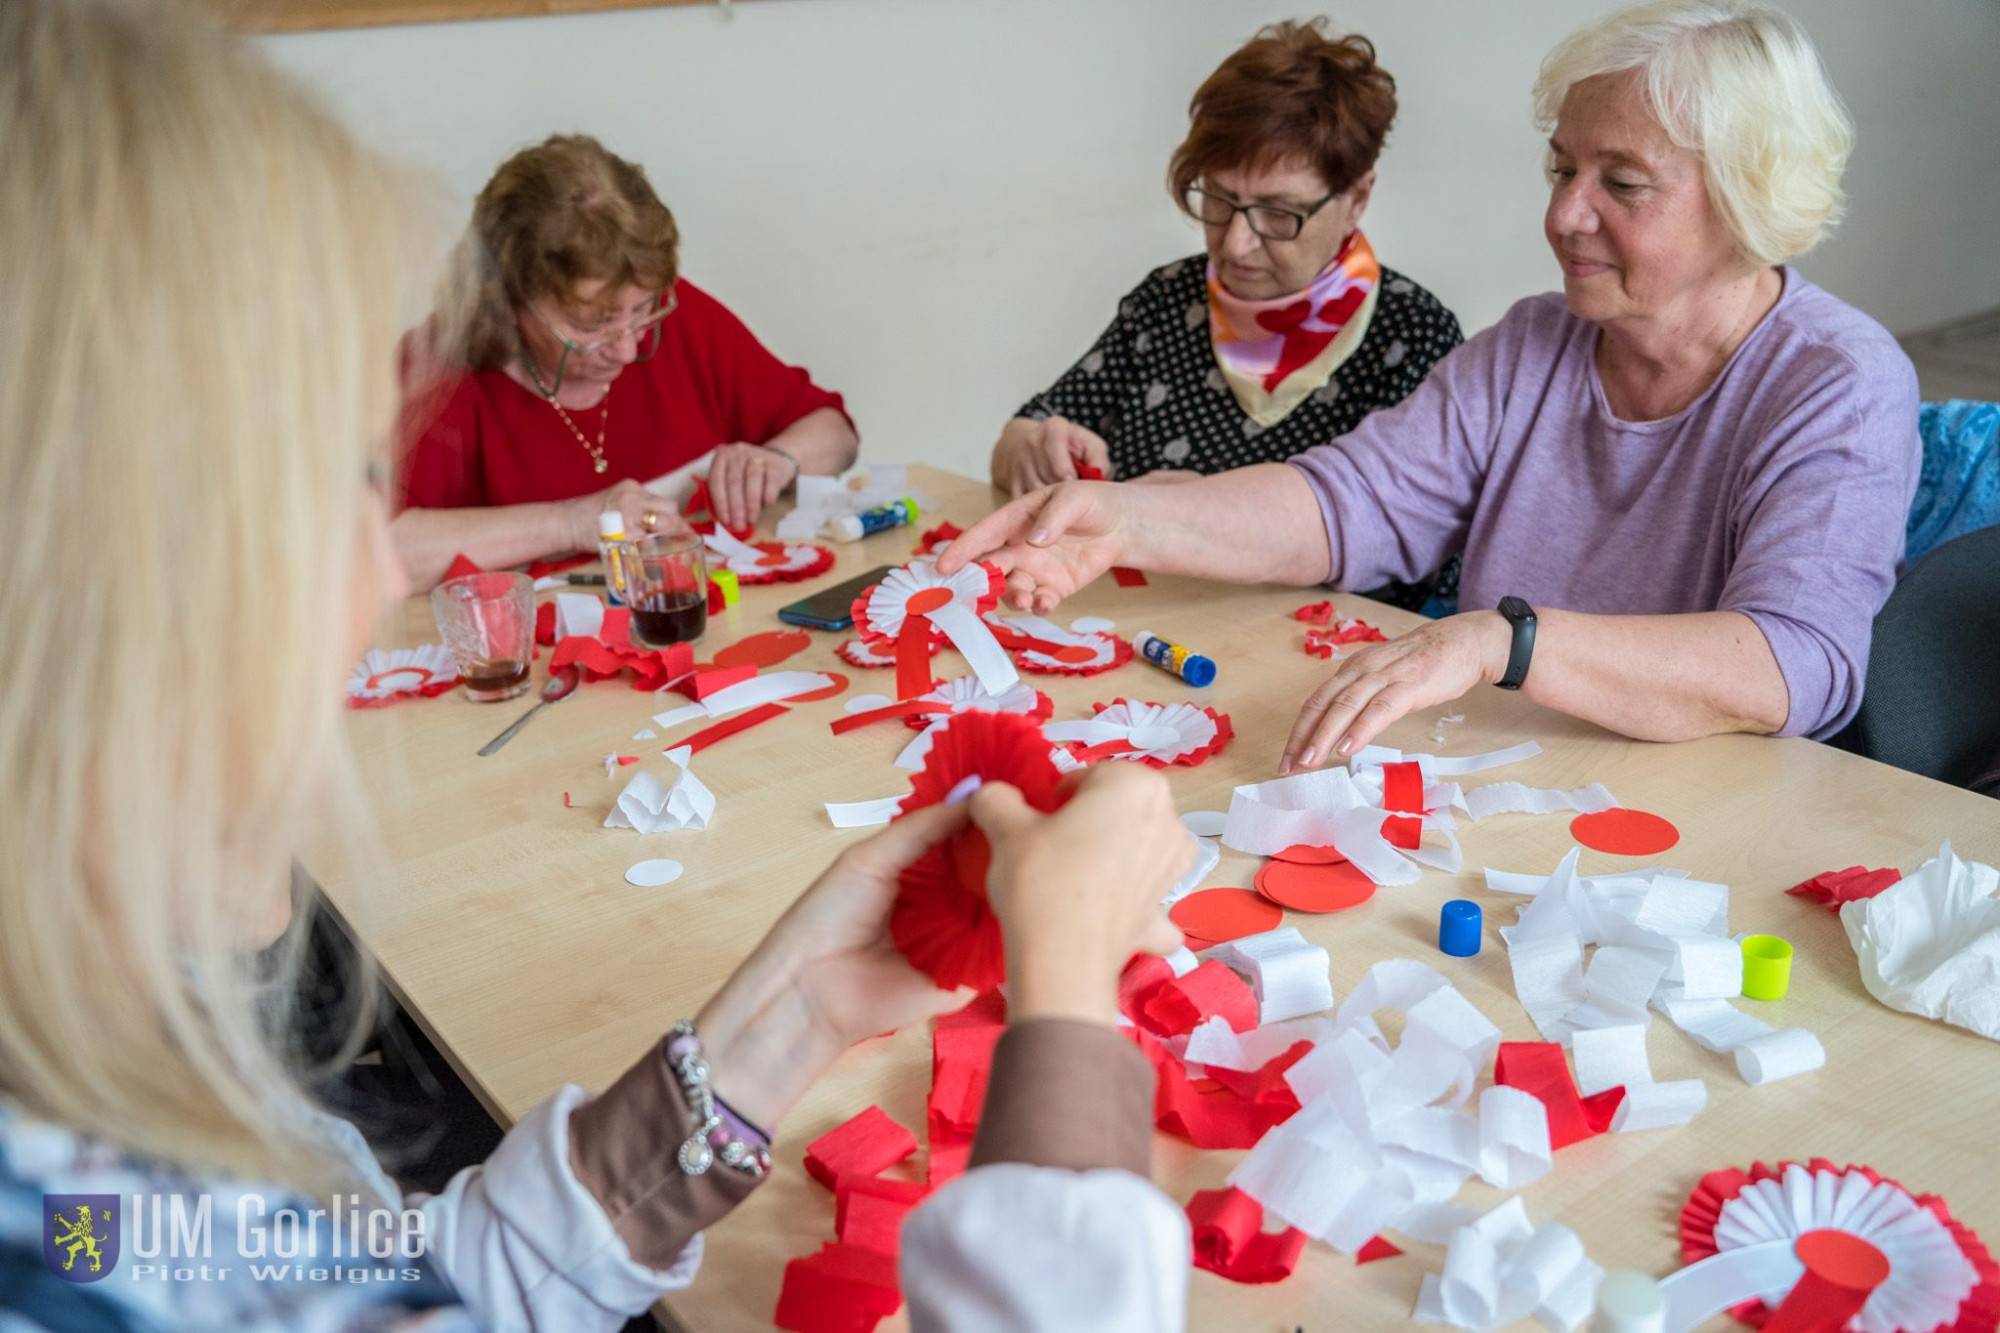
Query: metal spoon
[560, 684]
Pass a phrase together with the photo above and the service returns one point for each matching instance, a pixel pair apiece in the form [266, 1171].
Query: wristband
[713, 1136]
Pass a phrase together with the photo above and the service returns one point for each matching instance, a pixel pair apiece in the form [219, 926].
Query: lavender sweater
[1780, 493]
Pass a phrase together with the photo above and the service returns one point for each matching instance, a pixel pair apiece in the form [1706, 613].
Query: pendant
[599, 466]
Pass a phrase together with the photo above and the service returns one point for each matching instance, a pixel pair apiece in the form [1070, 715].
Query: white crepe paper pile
[1290, 975]
[651, 806]
[1503, 1268]
[1930, 944]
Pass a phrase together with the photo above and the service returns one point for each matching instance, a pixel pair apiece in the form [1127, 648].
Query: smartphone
[833, 608]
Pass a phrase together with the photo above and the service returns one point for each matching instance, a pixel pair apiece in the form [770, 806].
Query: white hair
[1742, 85]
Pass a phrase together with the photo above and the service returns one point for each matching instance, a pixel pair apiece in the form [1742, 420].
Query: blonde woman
[169, 721]
[1679, 483]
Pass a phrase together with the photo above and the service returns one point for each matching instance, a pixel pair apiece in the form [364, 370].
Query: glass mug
[488, 623]
[664, 579]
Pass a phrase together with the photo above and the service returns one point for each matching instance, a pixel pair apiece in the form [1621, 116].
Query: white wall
[934, 204]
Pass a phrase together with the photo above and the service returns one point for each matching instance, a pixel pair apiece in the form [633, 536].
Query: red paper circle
[926, 600]
[1624, 832]
[824, 692]
[1314, 888]
[1074, 653]
[766, 649]
[1221, 915]
[1843, 1259]
[1303, 855]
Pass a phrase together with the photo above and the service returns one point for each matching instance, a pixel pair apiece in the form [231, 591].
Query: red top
[490, 441]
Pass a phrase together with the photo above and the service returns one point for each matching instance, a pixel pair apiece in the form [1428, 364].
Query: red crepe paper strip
[1405, 831]
[1624, 832]
[961, 1061]
[906, 709]
[1314, 613]
[766, 649]
[1376, 1248]
[1204, 1111]
[699, 502]
[866, 1145]
[718, 600]
[545, 624]
[941, 919]
[626, 760]
[1144, 973]
[1220, 915]
[1230, 1240]
[1211, 990]
[1831, 888]
[1539, 1069]
[869, 1212]
[567, 803]
[1979, 1312]
[703, 684]
[842, 1289]
[461, 565]
[1403, 788]
[1321, 642]
[728, 727]
[1265, 1087]
[941, 535]
[948, 1161]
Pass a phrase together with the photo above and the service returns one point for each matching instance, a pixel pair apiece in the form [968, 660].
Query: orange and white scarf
[1274, 353]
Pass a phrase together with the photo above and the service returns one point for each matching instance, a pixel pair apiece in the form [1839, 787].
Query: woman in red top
[569, 364]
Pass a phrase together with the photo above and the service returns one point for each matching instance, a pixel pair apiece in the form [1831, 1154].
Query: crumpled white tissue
[1503, 1268]
[1930, 943]
[651, 806]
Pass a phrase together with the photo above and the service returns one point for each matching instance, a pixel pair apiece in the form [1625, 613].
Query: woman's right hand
[632, 500]
[1078, 892]
[1050, 543]
[1034, 454]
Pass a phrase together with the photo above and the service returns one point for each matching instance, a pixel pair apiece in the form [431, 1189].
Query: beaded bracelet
[711, 1137]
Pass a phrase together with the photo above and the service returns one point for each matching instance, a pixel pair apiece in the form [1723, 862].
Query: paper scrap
[1205, 823]
[1502, 1268]
[1930, 945]
[1290, 975]
[1512, 798]
[653, 874]
[1611, 1058]
[864, 814]
[761, 690]
[651, 806]
[1779, 1055]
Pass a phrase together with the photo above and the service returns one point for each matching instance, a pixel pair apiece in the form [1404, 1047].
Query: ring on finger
[650, 519]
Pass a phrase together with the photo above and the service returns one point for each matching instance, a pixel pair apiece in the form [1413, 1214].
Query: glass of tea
[666, 585]
[488, 623]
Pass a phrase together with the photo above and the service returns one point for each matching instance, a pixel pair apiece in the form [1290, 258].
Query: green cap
[1767, 967]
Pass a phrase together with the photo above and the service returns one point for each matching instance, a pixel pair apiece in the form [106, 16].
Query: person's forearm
[762, 1043]
[1256, 524]
[1658, 678]
[1012, 435]
[822, 442]
[427, 540]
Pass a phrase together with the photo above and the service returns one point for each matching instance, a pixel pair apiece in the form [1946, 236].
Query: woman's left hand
[746, 479]
[826, 976]
[1432, 664]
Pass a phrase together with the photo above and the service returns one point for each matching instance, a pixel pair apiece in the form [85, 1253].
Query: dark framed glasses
[1267, 220]
[646, 326]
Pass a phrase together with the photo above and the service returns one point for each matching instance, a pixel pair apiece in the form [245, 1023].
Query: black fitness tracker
[1522, 617]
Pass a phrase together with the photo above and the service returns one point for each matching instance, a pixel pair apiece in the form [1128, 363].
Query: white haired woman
[170, 727]
[1680, 484]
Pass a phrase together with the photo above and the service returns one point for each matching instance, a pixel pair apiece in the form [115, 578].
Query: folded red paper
[1831, 888]
[1212, 990]
[938, 537]
[1376, 1248]
[704, 684]
[869, 1212]
[1230, 1240]
[842, 1289]
[1540, 1069]
[866, 1145]
[1211, 1114]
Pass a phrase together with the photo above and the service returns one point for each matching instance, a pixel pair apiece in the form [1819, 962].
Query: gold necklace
[596, 451]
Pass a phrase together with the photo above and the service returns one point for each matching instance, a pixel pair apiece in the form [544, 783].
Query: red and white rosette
[1158, 735]
[766, 562]
[388, 674]
[861, 653]
[1741, 1226]
[1045, 647]
[915, 606]
[965, 694]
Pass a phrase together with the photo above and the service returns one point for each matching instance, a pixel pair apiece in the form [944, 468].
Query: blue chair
[1958, 490]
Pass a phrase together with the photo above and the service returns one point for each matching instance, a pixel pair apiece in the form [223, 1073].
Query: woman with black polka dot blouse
[1288, 331]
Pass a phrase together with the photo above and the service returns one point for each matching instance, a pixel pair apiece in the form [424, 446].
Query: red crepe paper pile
[1227, 1109]
[1216, 916]
[845, 1288]
[1978, 1312]
[1180, 1004]
[940, 536]
[961, 1061]
[1539, 1069]
[1322, 641]
[866, 1145]
[869, 1212]
[917, 640]
[1230, 1240]
[612, 652]
[1831, 888]
[941, 919]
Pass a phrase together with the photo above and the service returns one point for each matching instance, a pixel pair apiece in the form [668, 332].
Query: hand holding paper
[1049, 543]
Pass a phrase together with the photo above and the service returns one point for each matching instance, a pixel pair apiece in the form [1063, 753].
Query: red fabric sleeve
[758, 394]
[437, 433]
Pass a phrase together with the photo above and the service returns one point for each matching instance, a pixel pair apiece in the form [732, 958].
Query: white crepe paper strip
[1451, 767]
[1715, 1025]
[1318, 809]
[1659, 1105]
[579, 613]
[1707, 968]
[1619, 981]
[761, 690]
[651, 806]
[975, 642]
[1930, 944]
[1548, 978]
[1455, 1022]
[1204, 823]
[1778, 1056]
[1182, 960]
[1290, 975]
[1448, 720]
[1501, 1268]
[653, 874]
[866, 703]
[1215, 1045]
[1513, 1138]
[1206, 857]
[1701, 1291]
[1610, 1058]
[674, 717]
[864, 814]
[1512, 798]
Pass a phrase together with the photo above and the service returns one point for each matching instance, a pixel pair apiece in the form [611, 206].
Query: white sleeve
[1015, 1247]
[528, 1247]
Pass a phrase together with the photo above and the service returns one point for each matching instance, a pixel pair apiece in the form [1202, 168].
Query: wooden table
[505, 926]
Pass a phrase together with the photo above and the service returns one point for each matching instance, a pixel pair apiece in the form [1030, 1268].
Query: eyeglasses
[1267, 220]
[646, 327]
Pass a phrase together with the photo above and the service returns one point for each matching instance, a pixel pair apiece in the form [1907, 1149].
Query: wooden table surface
[504, 923]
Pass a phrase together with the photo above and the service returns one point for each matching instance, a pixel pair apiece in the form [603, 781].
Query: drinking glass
[488, 623]
[665, 582]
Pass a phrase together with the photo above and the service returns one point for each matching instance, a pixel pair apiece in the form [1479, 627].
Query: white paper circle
[652, 874]
[866, 703]
[1092, 625]
[1154, 736]
[1204, 823]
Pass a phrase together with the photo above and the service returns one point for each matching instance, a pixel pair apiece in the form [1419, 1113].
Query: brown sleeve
[624, 1146]
[1068, 1093]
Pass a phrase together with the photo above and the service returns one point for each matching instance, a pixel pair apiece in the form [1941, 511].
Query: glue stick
[1189, 665]
[853, 527]
[610, 533]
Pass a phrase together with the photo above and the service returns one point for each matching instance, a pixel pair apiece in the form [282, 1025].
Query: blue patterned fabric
[1959, 489]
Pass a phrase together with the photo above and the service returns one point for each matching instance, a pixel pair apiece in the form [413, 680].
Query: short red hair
[1290, 94]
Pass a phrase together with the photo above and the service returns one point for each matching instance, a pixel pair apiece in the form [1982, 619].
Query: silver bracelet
[712, 1136]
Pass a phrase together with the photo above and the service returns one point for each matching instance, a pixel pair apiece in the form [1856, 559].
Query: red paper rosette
[965, 694]
[1940, 1274]
[861, 653]
[778, 562]
[1159, 735]
[941, 920]
[1091, 654]
[386, 675]
[937, 538]
[880, 612]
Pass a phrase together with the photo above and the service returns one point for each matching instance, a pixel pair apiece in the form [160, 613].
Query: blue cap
[1458, 928]
[1198, 671]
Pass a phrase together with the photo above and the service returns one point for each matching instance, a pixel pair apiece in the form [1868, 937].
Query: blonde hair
[199, 300]
[1742, 85]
